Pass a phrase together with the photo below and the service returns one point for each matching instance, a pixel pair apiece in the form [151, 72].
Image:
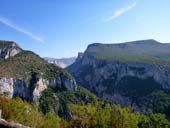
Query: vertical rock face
[21, 89]
[27, 75]
[9, 49]
[40, 87]
[62, 84]
[10, 87]
[6, 87]
[124, 72]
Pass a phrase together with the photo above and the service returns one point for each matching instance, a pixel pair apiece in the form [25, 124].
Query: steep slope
[63, 62]
[25, 75]
[125, 73]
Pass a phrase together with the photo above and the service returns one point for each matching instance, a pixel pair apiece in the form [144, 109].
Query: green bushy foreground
[92, 115]
[27, 114]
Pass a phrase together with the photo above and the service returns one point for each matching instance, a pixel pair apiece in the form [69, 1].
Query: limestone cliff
[124, 73]
[24, 74]
[11, 87]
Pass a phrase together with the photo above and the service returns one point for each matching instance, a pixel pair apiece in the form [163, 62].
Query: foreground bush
[98, 115]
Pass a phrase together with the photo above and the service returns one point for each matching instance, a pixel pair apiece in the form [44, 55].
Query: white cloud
[120, 12]
[20, 29]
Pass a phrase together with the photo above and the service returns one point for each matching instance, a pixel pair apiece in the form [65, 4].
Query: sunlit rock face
[10, 87]
[8, 49]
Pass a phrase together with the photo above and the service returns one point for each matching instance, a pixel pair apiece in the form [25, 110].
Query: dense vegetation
[58, 102]
[27, 114]
[24, 64]
[145, 93]
[158, 102]
[94, 115]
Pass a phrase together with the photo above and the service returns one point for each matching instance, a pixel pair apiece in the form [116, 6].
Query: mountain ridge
[124, 74]
[142, 50]
[128, 42]
[61, 62]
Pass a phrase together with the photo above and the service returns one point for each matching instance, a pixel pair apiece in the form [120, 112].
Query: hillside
[32, 73]
[130, 74]
[24, 62]
[29, 77]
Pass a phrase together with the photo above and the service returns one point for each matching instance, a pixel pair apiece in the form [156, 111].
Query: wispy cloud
[120, 12]
[16, 27]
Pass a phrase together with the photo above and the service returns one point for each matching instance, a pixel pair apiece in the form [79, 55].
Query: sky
[62, 28]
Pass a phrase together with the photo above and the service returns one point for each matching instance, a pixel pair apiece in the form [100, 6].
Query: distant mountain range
[62, 62]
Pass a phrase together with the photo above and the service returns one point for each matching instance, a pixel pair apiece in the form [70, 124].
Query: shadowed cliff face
[125, 72]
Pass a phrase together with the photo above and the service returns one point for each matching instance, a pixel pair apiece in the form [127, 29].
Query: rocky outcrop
[9, 49]
[11, 87]
[6, 124]
[62, 83]
[38, 89]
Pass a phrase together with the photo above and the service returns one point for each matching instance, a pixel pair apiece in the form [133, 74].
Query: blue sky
[62, 28]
